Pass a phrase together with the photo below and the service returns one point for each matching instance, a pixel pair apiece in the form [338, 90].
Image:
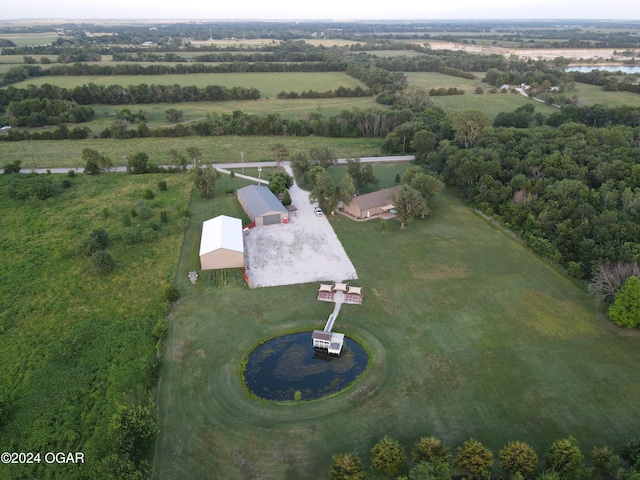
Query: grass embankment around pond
[470, 335]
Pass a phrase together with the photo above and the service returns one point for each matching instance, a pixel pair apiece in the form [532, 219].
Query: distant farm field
[30, 39]
[595, 94]
[491, 104]
[469, 335]
[269, 84]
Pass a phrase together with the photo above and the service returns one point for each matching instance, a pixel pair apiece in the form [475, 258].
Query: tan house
[371, 204]
[222, 243]
[262, 206]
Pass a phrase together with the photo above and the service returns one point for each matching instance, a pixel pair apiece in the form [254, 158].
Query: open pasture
[437, 80]
[489, 103]
[68, 153]
[469, 334]
[595, 94]
[196, 111]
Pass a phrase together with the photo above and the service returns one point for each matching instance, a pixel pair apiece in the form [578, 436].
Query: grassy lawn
[437, 80]
[385, 173]
[269, 84]
[68, 153]
[469, 335]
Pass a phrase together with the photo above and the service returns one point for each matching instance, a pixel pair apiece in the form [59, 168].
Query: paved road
[397, 158]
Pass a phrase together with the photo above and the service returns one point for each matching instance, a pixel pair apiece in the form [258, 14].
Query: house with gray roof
[261, 205]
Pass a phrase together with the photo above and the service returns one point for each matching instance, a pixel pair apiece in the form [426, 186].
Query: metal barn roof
[260, 200]
[221, 232]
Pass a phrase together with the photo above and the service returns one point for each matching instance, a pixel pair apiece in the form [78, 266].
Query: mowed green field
[469, 335]
[269, 84]
[68, 153]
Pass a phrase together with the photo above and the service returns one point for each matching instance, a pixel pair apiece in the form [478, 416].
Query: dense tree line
[281, 56]
[535, 74]
[62, 132]
[596, 116]
[610, 81]
[447, 61]
[347, 124]
[38, 112]
[17, 74]
[92, 94]
[571, 193]
[337, 93]
[432, 459]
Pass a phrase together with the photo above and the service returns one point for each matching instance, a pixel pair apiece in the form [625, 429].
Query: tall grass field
[75, 343]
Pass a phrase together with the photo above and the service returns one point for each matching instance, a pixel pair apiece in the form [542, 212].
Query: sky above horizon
[325, 10]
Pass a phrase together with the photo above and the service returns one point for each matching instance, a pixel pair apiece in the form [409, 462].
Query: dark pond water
[281, 366]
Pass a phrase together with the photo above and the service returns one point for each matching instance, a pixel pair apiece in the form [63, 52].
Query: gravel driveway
[302, 251]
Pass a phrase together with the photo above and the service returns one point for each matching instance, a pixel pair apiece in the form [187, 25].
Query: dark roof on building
[375, 199]
[260, 200]
[320, 335]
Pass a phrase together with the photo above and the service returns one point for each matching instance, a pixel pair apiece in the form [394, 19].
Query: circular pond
[281, 367]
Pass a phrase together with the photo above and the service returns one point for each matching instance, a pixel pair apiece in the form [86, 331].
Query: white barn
[222, 243]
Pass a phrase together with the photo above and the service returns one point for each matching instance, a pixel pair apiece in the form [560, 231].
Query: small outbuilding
[371, 204]
[261, 205]
[222, 243]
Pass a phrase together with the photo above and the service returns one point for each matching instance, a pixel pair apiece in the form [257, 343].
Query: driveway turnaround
[302, 251]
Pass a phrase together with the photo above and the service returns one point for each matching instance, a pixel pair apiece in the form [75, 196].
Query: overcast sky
[320, 9]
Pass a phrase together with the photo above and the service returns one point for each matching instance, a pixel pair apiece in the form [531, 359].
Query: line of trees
[279, 56]
[431, 459]
[24, 72]
[92, 94]
[37, 112]
[340, 92]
